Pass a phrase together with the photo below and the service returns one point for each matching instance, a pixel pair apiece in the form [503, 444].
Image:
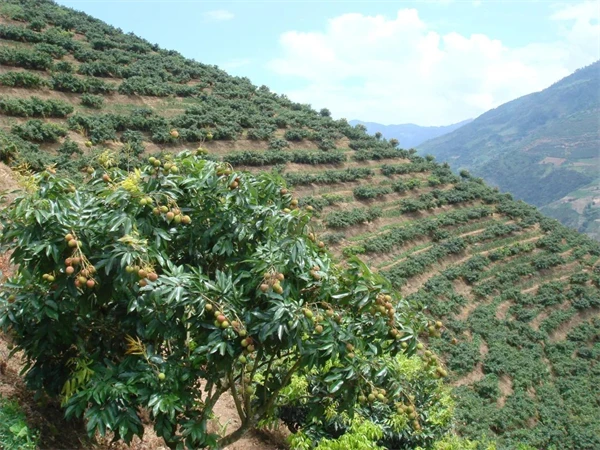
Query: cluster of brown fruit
[235, 183]
[383, 306]
[314, 273]
[170, 214]
[376, 395]
[435, 329]
[432, 362]
[48, 277]
[226, 171]
[85, 276]
[221, 320]
[272, 280]
[313, 237]
[145, 274]
[168, 167]
[411, 412]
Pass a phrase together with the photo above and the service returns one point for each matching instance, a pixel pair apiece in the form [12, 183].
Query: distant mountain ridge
[543, 148]
[409, 135]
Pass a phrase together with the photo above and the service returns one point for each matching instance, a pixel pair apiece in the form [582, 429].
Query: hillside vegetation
[544, 148]
[518, 293]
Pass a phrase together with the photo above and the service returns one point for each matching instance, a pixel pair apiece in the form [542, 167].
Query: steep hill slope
[409, 135]
[544, 148]
[518, 293]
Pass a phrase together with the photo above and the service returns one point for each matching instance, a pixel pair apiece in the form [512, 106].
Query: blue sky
[425, 62]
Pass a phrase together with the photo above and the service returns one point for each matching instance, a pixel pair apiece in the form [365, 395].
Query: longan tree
[168, 286]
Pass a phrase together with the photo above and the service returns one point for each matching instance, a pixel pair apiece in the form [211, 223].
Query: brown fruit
[142, 273]
[76, 261]
[170, 216]
[264, 287]
[186, 220]
[152, 276]
[90, 284]
[143, 283]
[77, 283]
[70, 270]
[319, 329]
[221, 318]
[68, 261]
[321, 244]
[174, 133]
[283, 191]
[72, 243]
[233, 185]
[280, 277]
[68, 237]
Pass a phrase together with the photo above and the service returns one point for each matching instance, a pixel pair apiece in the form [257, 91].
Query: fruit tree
[166, 287]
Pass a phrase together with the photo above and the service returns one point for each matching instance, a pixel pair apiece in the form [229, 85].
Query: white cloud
[396, 70]
[218, 15]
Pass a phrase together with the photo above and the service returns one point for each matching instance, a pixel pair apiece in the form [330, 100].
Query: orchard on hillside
[168, 286]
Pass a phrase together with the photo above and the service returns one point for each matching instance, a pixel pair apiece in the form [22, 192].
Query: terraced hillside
[542, 147]
[518, 292]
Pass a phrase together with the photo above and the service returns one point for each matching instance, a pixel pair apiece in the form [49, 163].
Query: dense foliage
[144, 284]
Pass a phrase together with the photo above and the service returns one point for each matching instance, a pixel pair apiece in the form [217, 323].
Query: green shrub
[38, 131]
[27, 59]
[34, 107]
[54, 51]
[355, 216]
[92, 101]
[64, 67]
[23, 80]
[367, 192]
[278, 144]
[15, 432]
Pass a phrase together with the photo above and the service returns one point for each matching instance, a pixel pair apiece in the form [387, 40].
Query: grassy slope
[542, 147]
[518, 292]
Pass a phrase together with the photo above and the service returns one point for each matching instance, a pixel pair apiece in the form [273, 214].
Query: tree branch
[236, 399]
